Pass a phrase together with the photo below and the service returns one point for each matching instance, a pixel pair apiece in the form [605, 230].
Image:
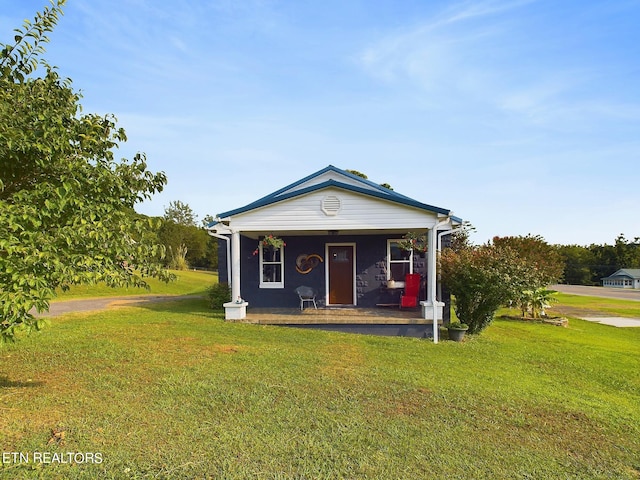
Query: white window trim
[398, 283]
[264, 284]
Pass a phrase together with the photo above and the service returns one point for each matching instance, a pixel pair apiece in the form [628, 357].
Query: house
[336, 233]
[623, 278]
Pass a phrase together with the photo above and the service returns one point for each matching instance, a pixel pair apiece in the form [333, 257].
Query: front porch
[373, 321]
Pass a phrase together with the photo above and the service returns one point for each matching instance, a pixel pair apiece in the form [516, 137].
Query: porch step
[293, 316]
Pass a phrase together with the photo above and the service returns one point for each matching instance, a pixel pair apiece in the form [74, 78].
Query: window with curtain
[271, 267]
[399, 262]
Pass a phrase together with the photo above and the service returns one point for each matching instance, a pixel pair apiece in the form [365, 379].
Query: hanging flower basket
[270, 242]
[413, 241]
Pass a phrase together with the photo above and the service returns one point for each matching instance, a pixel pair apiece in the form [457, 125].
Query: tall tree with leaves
[506, 271]
[66, 206]
[180, 213]
[482, 279]
[544, 260]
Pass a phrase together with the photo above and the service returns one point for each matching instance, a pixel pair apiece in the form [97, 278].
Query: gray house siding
[370, 277]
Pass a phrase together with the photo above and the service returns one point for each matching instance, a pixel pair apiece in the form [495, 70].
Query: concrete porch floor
[336, 316]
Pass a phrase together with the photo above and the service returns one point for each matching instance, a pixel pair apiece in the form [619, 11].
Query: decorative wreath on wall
[307, 262]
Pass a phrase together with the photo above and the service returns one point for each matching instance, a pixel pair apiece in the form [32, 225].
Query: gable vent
[331, 205]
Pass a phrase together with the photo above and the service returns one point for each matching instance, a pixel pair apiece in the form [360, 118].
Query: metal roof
[626, 272]
[365, 187]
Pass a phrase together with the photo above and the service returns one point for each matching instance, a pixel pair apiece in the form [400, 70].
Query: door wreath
[307, 262]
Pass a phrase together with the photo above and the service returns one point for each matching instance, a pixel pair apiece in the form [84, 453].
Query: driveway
[615, 293]
[103, 303]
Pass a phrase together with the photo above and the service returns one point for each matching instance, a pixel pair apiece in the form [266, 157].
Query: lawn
[580, 304]
[188, 282]
[172, 391]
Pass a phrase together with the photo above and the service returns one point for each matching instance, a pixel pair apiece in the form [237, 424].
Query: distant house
[342, 236]
[623, 278]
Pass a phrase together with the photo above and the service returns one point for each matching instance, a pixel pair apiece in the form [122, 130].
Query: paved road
[96, 304]
[619, 293]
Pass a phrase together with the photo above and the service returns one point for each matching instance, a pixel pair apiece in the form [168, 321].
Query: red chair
[409, 298]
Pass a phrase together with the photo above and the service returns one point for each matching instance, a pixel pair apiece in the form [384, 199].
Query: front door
[340, 275]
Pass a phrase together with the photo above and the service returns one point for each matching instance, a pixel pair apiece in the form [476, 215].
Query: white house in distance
[623, 278]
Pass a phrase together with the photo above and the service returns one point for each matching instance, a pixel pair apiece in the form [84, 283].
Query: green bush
[219, 294]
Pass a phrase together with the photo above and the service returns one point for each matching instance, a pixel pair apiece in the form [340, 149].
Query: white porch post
[236, 309]
[235, 265]
[431, 268]
[432, 308]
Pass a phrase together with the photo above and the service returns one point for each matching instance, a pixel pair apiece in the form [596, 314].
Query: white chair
[306, 294]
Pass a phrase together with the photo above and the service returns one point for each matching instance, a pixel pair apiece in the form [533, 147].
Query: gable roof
[626, 272]
[331, 176]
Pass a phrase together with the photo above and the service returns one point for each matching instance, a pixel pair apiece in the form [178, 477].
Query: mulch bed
[557, 321]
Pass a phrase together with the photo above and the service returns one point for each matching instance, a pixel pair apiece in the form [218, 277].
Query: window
[271, 267]
[399, 262]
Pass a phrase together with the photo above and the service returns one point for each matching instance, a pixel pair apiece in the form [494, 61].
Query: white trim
[264, 284]
[399, 283]
[326, 272]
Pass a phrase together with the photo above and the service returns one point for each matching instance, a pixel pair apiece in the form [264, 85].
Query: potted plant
[271, 242]
[457, 331]
[414, 242]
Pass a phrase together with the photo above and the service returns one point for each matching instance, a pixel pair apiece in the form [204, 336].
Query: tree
[508, 271]
[358, 174]
[362, 175]
[578, 262]
[66, 206]
[544, 260]
[180, 213]
[187, 244]
[482, 279]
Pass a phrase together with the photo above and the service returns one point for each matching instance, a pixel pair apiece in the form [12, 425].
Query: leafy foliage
[545, 263]
[482, 279]
[414, 241]
[511, 270]
[180, 213]
[533, 302]
[188, 245]
[219, 294]
[588, 265]
[66, 206]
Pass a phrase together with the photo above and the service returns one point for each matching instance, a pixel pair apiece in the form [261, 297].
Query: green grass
[609, 306]
[172, 391]
[188, 282]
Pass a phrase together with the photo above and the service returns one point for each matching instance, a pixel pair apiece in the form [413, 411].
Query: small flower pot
[456, 332]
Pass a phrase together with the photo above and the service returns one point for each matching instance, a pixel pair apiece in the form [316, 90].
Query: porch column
[432, 265]
[235, 265]
[432, 308]
[236, 309]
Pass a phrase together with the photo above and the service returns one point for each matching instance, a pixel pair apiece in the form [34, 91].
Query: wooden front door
[340, 274]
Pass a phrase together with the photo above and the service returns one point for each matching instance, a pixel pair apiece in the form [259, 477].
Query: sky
[520, 116]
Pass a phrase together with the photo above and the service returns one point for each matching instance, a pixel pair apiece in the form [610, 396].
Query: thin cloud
[472, 10]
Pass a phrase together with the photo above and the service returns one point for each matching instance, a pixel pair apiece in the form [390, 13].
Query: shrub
[219, 294]
[178, 258]
[482, 279]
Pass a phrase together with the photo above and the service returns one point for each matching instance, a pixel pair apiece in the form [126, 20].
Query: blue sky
[521, 116]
